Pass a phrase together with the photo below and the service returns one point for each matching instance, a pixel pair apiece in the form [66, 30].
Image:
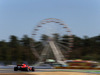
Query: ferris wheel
[49, 27]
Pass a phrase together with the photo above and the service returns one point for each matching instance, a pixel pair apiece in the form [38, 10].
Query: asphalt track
[51, 70]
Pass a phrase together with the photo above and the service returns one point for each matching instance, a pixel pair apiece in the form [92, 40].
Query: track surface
[51, 70]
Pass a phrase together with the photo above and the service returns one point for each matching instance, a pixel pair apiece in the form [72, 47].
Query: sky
[19, 17]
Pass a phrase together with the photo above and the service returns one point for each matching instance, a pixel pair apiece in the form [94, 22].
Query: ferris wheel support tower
[57, 53]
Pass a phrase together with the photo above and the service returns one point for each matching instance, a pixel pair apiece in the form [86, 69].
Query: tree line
[87, 48]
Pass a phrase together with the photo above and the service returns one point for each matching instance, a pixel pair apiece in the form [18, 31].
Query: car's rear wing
[19, 65]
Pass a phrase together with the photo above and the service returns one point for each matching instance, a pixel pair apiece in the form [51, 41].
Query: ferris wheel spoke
[64, 51]
[63, 46]
[37, 45]
[62, 42]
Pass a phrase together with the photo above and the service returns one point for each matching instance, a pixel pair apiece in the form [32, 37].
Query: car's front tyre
[27, 69]
[33, 69]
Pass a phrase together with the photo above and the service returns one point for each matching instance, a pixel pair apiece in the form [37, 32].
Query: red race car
[23, 67]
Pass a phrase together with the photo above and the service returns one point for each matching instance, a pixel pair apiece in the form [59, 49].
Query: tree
[56, 37]
[4, 50]
[13, 41]
[25, 41]
[44, 37]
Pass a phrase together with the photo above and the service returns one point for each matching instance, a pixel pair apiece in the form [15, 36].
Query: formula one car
[23, 67]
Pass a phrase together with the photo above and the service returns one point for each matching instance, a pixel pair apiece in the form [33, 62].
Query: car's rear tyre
[33, 69]
[15, 69]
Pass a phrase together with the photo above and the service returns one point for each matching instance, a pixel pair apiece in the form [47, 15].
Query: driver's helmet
[24, 64]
